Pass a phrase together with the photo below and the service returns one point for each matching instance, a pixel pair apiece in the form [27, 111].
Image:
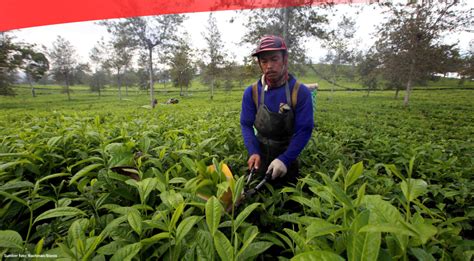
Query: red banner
[15, 14]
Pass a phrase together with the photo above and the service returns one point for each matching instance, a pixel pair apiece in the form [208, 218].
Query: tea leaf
[353, 174]
[205, 244]
[155, 238]
[388, 228]
[127, 252]
[362, 245]
[185, 226]
[244, 214]
[223, 246]
[84, 172]
[176, 215]
[145, 187]
[337, 191]
[39, 246]
[59, 212]
[10, 239]
[413, 188]
[135, 221]
[317, 256]
[320, 227]
[297, 238]
[254, 249]
[213, 214]
[13, 197]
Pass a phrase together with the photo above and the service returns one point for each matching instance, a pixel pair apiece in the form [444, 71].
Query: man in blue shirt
[280, 109]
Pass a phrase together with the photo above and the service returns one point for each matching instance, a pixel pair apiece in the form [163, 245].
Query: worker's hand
[254, 161]
[277, 168]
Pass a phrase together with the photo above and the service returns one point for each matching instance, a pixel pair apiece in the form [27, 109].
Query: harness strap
[292, 102]
[294, 94]
[255, 93]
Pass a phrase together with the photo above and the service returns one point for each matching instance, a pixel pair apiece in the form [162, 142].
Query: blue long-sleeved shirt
[303, 125]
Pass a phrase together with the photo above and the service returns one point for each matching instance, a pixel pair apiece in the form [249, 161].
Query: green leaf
[254, 249]
[297, 238]
[84, 172]
[238, 188]
[135, 221]
[155, 238]
[59, 212]
[381, 211]
[185, 226]
[213, 214]
[10, 239]
[39, 246]
[17, 185]
[337, 191]
[114, 224]
[189, 164]
[317, 256]
[127, 252]
[362, 245]
[176, 215]
[388, 228]
[392, 169]
[13, 197]
[320, 227]
[421, 254]
[145, 187]
[353, 174]
[171, 199]
[413, 188]
[205, 243]
[244, 214]
[223, 246]
[249, 236]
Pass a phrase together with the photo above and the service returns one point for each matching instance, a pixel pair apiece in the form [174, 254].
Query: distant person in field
[280, 108]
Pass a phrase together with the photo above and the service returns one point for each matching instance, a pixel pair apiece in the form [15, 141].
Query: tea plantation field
[379, 181]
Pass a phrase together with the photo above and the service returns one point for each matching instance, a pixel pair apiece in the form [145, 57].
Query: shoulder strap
[255, 93]
[294, 94]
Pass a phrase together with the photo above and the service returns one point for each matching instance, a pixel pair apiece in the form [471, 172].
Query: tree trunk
[119, 84]
[396, 93]
[31, 85]
[212, 89]
[286, 19]
[67, 87]
[409, 83]
[150, 69]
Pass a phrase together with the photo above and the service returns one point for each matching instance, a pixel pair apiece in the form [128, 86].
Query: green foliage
[378, 182]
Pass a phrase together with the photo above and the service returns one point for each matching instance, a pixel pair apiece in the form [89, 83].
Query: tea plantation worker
[280, 109]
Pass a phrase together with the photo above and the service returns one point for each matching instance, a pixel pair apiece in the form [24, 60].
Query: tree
[63, 58]
[147, 33]
[409, 41]
[368, 70]
[182, 68]
[340, 53]
[214, 53]
[35, 65]
[15, 56]
[98, 81]
[116, 55]
[467, 67]
[294, 24]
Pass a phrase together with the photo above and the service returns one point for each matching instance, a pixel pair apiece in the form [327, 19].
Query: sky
[84, 35]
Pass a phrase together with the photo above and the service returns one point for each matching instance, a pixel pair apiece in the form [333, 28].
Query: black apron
[275, 130]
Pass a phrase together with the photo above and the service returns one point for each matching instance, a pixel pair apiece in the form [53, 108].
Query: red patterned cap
[270, 43]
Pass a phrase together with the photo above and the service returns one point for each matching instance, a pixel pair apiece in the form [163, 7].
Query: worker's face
[272, 64]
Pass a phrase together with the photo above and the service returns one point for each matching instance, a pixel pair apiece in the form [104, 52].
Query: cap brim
[268, 50]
